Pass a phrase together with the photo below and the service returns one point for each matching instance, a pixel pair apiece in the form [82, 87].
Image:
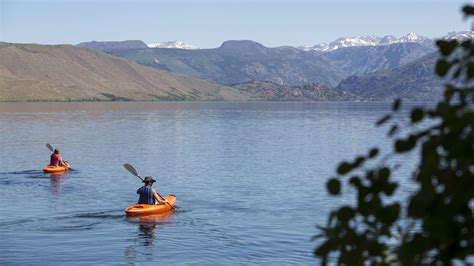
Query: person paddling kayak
[56, 159]
[148, 194]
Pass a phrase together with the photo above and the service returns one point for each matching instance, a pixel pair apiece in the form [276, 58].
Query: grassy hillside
[30, 72]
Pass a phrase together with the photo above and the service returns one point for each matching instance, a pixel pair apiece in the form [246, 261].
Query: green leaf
[442, 67]
[470, 70]
[355, 181]
[449, 92]
[447, 47]
[373, 152]
[384, 119]
[344, 168]
[359, 160]
[416, 115]
[334, 186]
[345, 214]
[405, 145]
[389, 188]
[393, 130]
[457, 73]
[325, 248]
[468, 10]
[384, 173]
[396, 104]
[391, 214]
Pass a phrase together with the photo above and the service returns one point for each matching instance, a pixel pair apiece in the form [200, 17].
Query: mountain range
[344, 42]
[370, 40]
[237, 70]
[31, 72]
[243, 61]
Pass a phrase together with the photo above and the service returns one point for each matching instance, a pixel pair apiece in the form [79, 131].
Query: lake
[249, 179]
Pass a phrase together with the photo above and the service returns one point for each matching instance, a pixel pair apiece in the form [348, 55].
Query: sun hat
[148, 179]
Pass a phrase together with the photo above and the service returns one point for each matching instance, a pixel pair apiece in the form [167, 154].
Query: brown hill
[31, 72]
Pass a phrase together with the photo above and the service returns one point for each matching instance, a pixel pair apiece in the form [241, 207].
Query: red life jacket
[54, 159]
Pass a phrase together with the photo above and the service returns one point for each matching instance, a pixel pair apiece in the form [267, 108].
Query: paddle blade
[131, 169]
[49, 146]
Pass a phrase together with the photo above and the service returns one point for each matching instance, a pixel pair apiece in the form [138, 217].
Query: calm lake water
[249, 179]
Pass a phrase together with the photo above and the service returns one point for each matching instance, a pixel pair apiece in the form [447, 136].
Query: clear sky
[207, 23]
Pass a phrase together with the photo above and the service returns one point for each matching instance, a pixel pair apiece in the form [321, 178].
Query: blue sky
[208, 23]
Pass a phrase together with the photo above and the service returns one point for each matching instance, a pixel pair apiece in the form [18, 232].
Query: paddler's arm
[60, 159]
[157, 198]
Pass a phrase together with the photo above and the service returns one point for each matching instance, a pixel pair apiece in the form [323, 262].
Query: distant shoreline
[222, 101]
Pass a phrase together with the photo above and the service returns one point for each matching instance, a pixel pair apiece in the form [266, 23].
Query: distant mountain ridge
[31, 72]
[112, 45]
[413, 81]
[245, 70]
[372, 40]
[240, 61]
[361, 60]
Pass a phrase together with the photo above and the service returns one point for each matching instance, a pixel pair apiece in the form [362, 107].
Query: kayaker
[56, 159]
[148, 194]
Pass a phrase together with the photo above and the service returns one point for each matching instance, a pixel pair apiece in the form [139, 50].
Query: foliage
[436, 225]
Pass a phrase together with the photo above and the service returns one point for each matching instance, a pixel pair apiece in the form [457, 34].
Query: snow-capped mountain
[173, 44]
[460, 35]
[372, 40]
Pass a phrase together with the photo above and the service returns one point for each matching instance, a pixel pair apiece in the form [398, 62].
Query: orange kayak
[147, 209]
[55, 169]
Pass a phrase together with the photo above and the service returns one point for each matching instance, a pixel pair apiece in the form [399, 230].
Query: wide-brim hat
[149, 179]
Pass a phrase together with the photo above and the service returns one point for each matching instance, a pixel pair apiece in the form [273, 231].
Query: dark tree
[436, 224]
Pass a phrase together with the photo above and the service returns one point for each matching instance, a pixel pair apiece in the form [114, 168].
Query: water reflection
[56, 180]
[147, 237]
[147, 234]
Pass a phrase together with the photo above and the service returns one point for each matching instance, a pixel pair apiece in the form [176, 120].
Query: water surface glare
[249, 179]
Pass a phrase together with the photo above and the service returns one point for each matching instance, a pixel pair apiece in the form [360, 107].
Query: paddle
[50, 147]
[134, 172]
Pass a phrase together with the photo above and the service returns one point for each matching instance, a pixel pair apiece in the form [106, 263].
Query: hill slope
[238, 62]
[70, 73]
[244, 61]
[413, 81]
[311, 92]
[367, 59]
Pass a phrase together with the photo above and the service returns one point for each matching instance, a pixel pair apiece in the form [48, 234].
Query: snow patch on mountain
[173, 44]
[460, 35]
[372, 40]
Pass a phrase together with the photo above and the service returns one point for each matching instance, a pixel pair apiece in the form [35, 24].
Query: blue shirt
[146, 195]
